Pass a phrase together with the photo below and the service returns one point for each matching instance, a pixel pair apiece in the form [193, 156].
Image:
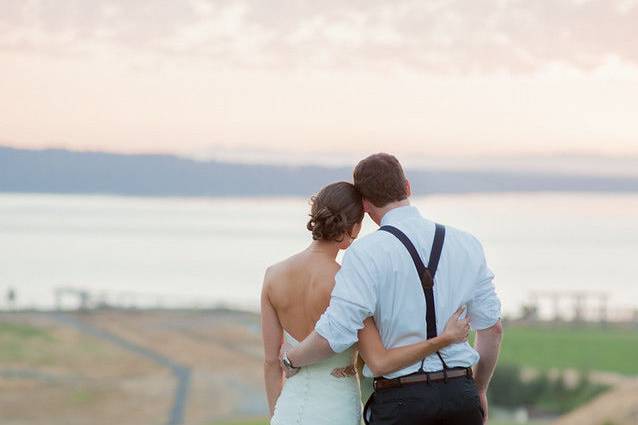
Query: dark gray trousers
[451, 403]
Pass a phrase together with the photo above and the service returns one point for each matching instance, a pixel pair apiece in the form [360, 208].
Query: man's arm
[485, 313]
[313, 349]
[488, 344]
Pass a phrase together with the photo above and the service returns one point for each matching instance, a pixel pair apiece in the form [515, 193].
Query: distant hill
[63, 171]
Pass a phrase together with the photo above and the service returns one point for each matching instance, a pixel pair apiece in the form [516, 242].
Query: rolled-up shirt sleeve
[353, 299]
[484, 308]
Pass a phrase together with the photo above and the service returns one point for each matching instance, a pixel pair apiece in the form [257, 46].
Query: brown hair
[334, 211]
[380, 179]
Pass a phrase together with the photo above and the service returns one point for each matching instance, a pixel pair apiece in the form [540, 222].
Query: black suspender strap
[426, 275]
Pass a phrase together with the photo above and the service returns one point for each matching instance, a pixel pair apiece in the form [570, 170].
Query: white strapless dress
[315, 397]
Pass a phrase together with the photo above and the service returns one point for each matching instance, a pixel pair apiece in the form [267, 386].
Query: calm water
[215, 250]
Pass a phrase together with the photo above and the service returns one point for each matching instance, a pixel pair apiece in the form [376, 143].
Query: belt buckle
[394, 382]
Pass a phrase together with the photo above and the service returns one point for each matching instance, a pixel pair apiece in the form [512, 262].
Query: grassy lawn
[20, 341]
[40, 348]
[20, 330]
[586, 348]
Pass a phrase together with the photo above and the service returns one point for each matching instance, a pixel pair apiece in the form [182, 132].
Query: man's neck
[391, 206]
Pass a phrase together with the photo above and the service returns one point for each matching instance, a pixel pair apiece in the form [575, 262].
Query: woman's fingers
[457, 327]
[344, 372]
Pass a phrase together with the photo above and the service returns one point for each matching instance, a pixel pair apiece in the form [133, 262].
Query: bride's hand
[456, 329]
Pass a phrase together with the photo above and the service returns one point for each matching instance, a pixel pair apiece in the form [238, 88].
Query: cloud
[440, 36]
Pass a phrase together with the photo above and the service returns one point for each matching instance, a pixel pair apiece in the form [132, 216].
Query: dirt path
[618, 406]
[182, 374]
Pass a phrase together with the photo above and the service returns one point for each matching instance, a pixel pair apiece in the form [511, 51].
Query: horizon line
[528, 154]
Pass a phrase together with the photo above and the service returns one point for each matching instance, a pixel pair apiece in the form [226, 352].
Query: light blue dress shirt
[378, 278]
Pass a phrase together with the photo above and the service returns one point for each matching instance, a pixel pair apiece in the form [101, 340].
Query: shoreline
[237, 311]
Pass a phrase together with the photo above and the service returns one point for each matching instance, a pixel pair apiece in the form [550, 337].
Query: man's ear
[366, 205]
[408, 189]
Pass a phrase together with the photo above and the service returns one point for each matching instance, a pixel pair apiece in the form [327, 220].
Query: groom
[379, 278]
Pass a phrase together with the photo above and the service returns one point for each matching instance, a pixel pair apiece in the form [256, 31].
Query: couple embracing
[390, 324]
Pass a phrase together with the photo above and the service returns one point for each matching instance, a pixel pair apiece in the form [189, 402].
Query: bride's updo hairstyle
[334, 211]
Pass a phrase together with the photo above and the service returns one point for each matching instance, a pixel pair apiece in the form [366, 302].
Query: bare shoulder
[327, 280]
[278, 272]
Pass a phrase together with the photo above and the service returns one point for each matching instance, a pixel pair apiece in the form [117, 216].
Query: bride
[296, 292]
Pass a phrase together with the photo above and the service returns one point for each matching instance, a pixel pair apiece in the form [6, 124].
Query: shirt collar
[399, 214]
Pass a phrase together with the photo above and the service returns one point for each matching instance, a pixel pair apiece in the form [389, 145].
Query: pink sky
[439, 78]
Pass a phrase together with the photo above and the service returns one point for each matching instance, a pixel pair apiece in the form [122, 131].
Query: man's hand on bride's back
[457, 329]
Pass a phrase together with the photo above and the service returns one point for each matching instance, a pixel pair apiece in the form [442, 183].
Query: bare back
[299, 290]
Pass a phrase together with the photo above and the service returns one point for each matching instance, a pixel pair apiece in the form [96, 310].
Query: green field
[23, 343]
[583, 348]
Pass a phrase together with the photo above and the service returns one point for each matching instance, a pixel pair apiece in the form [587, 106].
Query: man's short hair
[380, 179]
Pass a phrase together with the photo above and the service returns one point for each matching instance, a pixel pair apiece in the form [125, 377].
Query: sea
[565, 251]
